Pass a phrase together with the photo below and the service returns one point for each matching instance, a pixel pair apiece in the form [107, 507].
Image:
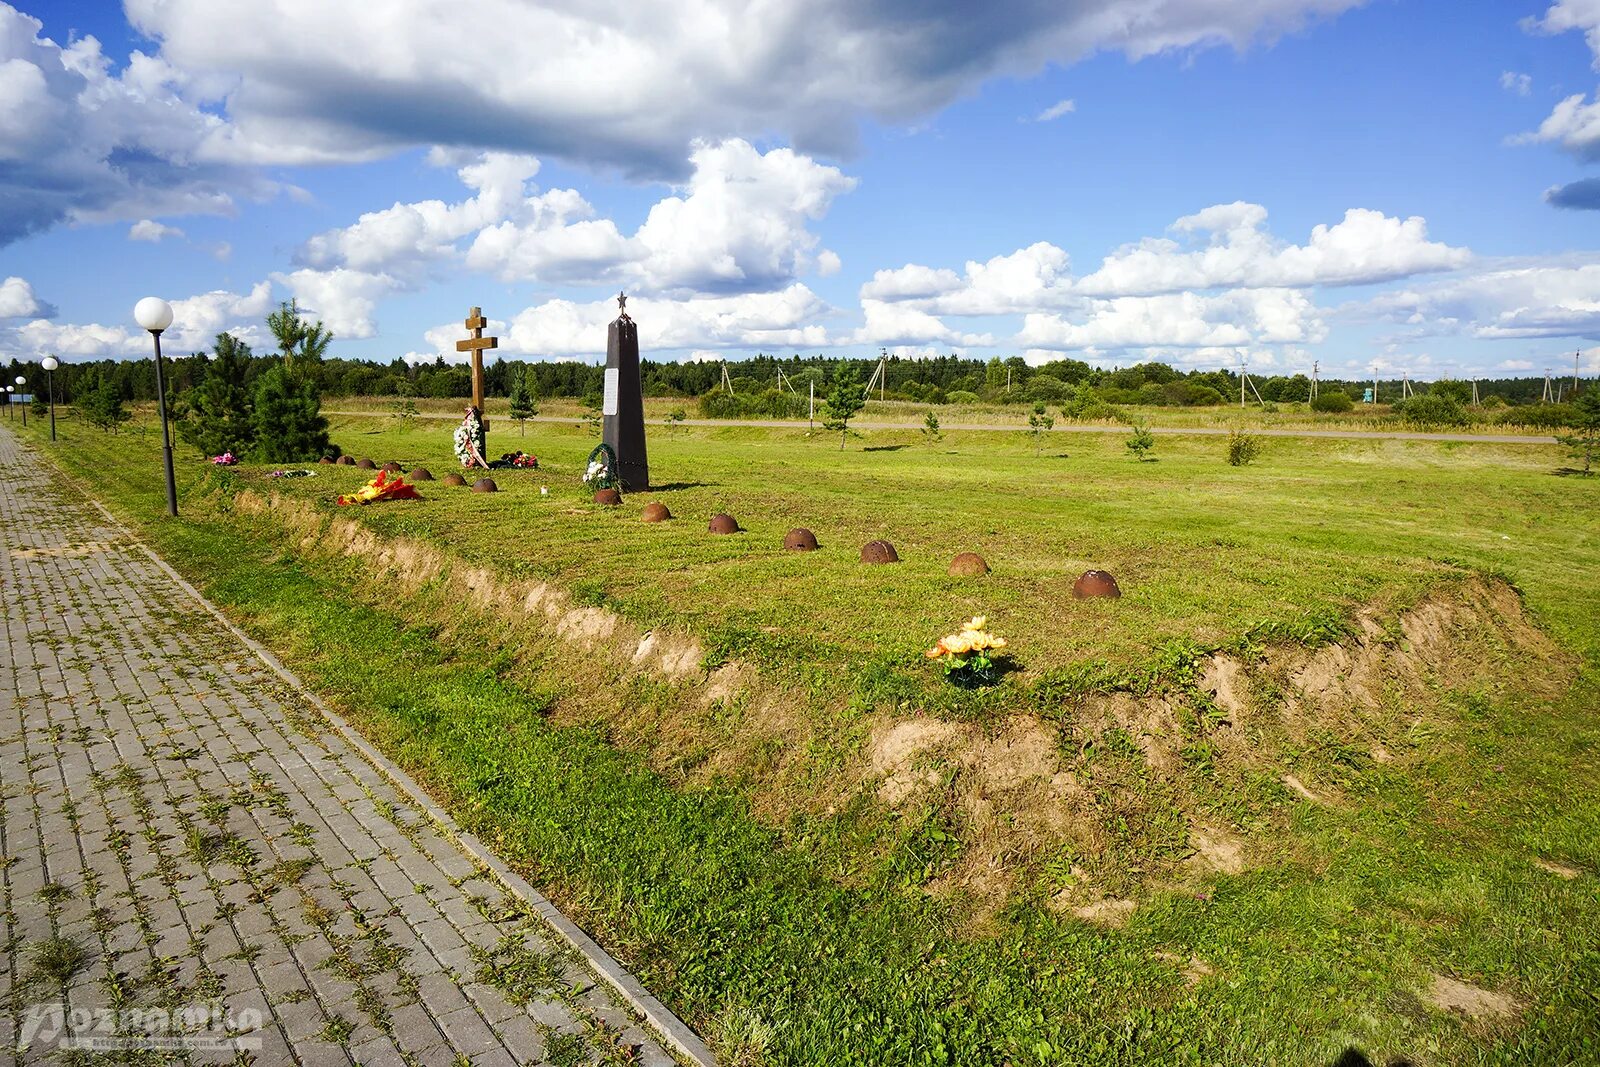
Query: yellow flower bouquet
[968, 656]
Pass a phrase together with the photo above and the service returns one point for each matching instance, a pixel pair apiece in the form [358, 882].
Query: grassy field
[802, 934]
[1205, 552]
[1364, 418]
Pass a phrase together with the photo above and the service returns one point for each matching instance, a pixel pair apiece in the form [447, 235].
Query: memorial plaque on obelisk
[623, 402]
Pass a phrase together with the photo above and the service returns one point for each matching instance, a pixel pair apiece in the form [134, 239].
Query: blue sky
[1109, 181]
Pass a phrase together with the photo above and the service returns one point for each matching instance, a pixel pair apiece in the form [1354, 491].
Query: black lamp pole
[166, 438]
[50, 389]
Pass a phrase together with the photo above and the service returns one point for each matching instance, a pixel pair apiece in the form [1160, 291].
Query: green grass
[1203, 551]
[748, 930]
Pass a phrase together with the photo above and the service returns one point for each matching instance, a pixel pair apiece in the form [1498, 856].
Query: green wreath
[601, 473]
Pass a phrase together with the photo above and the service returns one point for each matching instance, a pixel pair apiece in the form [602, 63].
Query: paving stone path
[188, 848]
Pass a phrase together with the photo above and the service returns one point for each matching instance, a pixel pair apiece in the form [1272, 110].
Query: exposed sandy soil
[1475, 1002]
[1020, 791]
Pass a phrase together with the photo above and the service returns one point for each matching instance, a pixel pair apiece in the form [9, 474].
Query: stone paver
[182, 832]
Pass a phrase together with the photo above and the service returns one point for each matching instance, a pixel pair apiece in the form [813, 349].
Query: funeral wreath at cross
[622, 405]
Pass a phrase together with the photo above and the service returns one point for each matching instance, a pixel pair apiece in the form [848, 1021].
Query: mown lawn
[1203, 551]
[1430, 870]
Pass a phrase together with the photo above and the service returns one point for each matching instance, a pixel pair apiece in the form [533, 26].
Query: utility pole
[880, 375]
[1241, 381]
[1314, 365]
[1475, 400]
[812, 418]
[1374, 387]
[727, 383]
[1575, 357]
[1548, 396]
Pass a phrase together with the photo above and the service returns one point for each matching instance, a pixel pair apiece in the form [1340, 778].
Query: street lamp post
[10, 389]
[24, 383]
[50, 364]
[155, 314]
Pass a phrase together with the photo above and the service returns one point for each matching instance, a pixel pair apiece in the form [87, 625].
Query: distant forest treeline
[944, 379]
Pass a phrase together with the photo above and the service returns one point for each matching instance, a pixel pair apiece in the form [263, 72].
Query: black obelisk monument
[623, 403]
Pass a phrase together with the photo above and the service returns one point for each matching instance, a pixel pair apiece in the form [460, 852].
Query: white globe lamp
[155, 314]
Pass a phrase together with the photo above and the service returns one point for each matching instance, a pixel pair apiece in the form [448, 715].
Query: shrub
[770, 404]
[1191, 394]
[1242, 447]
[960, 396]
[1332, 401]
[1539, 415]
[1151, 393]
[1432, 409]
[1088, 404]
[1584, 440]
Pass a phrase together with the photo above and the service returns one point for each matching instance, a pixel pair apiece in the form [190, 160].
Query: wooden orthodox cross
[476, 344]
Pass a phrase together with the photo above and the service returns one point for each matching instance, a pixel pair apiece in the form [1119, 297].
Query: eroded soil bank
[1084, 803]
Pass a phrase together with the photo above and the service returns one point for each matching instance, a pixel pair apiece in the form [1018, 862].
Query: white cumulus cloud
[196, 321]
[1365, 247]
[1574, 123]
[560, 329]
[1232, 320]
[82, 143]
[740, 225]
[344, 300]
[1028, 279]
[18, 301]
[1532, 300]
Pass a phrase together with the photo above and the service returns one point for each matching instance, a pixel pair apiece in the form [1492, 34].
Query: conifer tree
[287, 419]
[218, 409]
[524, 405]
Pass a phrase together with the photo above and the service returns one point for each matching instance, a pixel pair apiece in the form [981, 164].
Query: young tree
[1584, 440]
[216, 415]
[1243, 447]
[675, 418]
[1038, 423]
[930, 428]
[295, 337]
[100, 399]
[846, 399]
[287, 418]
[523, 404]
[404, 404]
[1142, 441]
[593, 417]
